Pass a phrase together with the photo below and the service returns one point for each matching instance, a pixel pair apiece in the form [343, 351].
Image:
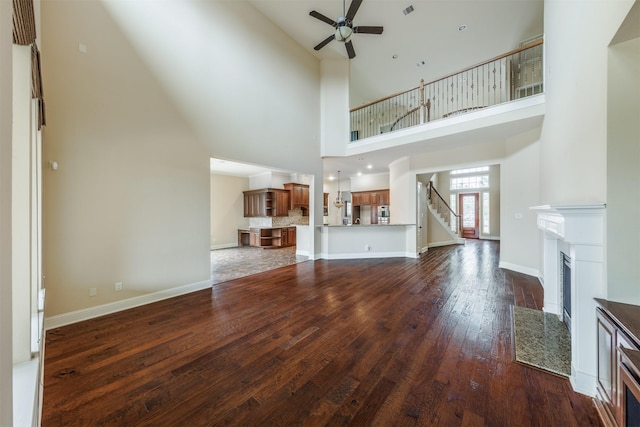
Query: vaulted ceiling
[436, 38]
[393, 61]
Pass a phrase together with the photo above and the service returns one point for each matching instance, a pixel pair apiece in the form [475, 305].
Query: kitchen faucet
[357, 221]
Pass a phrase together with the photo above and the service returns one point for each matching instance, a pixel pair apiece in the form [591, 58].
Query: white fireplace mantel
[579, 232]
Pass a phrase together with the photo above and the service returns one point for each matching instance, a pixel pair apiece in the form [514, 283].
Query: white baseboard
[113, 307]
[447, 243]
[364, 255]
[489, 237]
[519, 269]
[224, 246]
[582, 382]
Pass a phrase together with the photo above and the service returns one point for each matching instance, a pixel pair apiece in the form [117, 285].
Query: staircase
[441, 211]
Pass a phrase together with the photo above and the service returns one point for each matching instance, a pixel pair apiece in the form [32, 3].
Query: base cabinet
[618, 328]
[269, 238]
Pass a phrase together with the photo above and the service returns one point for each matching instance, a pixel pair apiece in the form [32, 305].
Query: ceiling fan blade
[362, 29]
[353, 8]
[325, 42]
[323, 18]
[350, 51]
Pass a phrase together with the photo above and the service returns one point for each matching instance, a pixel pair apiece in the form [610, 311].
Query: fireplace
[573, 274]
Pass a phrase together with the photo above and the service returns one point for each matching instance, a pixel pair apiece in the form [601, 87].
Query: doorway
[469, 211]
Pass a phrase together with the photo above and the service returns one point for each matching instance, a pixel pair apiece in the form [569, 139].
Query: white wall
[574, 134]
[334, 101]
[20, 203]
[370, 182]
[402, 192]
[519, 185]
[133, 122]
[227, 209]
[6, 107]
[623, 174]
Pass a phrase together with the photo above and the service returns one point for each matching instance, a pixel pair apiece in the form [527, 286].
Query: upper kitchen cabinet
[266, 202]
[298, 196]
[376, 197]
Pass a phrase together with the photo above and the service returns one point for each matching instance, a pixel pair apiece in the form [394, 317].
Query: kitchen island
[367, 241]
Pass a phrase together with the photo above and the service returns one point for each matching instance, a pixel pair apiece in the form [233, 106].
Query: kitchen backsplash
[295, 218]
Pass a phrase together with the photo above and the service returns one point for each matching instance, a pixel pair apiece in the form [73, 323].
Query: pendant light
[339, 203]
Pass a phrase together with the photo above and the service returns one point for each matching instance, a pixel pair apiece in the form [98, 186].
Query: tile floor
[232, 263]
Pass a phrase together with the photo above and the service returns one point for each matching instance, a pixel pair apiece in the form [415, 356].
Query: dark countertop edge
[620, 312]
[632, 360]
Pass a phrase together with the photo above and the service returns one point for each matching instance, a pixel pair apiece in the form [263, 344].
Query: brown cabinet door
[292, 236]
[281, 203]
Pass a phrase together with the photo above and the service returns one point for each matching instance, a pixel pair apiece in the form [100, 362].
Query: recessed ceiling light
[408, 10]
[420, 63]
[462, 27]
[395, 56]
[359, 173]
[369, 166]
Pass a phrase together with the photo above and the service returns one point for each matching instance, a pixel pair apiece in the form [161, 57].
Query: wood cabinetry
[614, 332]
[268, 202]
[376, 197]
[276, 237]
[298, 196]
[373, 198]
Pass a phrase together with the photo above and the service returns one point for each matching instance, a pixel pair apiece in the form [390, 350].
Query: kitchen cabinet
[298, 196]
[267, 202]
[273, 237]
[373, 198]
[376, 197]
[617, 328]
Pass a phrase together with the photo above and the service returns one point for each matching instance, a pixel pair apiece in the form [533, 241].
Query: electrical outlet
[93, 292]
[367, 247]
[118, 286]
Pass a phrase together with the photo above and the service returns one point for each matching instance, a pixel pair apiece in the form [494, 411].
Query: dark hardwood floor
[388, 342]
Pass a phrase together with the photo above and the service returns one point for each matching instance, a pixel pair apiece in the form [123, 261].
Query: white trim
[519, 269]
[224, 246]
[303, 253]
[485, 237]
[447, 243]
[113, 307]
[365, 255]
[582, 382]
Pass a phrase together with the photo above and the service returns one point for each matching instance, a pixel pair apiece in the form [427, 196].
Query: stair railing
[513, 75]
[443, 208]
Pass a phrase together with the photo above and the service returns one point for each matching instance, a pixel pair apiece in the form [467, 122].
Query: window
[485, 213]
[470, 182]
[470, 170]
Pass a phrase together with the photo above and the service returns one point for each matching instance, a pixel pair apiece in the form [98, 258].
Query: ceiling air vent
[408, 10]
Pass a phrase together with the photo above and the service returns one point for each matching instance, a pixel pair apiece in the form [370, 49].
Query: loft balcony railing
[514, 75]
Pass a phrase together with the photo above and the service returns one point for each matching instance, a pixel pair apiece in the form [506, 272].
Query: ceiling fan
[344, 27]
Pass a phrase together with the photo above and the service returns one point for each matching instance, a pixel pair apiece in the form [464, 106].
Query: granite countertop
[626, 315]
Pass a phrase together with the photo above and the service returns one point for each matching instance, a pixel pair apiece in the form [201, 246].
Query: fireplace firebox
[566, 289]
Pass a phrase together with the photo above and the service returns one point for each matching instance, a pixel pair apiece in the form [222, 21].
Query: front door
[468, 204]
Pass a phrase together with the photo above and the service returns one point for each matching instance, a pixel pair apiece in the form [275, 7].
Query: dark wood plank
[403, 342]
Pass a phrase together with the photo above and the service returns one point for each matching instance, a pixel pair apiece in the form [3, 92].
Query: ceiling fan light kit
[344, 27]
